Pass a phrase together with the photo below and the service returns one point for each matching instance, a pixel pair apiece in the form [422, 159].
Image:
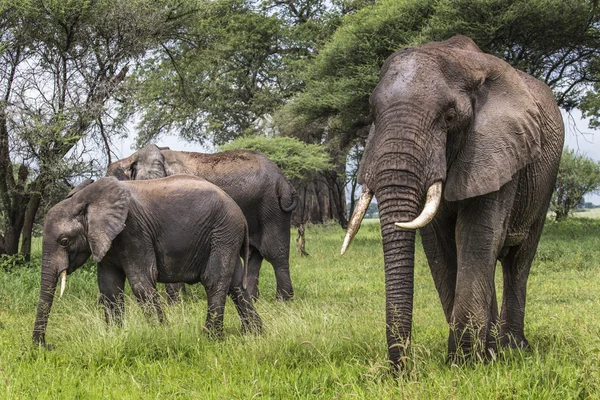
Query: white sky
[583, 139]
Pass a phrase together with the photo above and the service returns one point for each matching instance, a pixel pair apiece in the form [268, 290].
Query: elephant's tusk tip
[404, 225]
[63, 282]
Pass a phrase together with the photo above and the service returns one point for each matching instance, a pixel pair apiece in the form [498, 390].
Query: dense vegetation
[327, 343]
[578, 175]
[77, 75]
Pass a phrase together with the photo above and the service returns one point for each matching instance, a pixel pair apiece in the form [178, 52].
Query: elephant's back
[188, 189]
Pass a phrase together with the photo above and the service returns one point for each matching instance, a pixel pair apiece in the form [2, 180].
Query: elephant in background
[253, 181]
[176, 229]
[465, 148]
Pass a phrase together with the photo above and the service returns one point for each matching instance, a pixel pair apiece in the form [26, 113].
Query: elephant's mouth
[432, 203]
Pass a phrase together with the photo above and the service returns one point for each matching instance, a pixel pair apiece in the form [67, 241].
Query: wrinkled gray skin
[493, 135]
[253, 181]
[176, 229]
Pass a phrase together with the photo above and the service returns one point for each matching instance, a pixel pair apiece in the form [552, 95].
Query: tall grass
[327, 343]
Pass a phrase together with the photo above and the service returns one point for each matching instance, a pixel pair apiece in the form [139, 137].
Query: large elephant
[466, 148]
[253, 181]
[176, 229]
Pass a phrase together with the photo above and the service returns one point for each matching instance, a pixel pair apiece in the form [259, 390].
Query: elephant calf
[175, 229]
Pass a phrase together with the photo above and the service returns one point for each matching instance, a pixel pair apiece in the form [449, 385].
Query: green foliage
[578, 175]
[328, 343]
[12, 262]
[296, 159]
[554, 40]
[342, 76]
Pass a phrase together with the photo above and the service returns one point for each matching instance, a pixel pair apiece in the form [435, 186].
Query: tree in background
[300, 162]
[237, 64]
[62, 64]
[556, 41]
[578, 175]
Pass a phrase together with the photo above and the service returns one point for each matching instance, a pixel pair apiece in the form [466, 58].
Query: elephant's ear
[505, 133]
[79, 187]
[149, 164]
[105, 205]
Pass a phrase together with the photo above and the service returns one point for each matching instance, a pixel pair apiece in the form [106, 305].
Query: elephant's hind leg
[251, 321]
[515, 269]
[254, 263]
[439, 244]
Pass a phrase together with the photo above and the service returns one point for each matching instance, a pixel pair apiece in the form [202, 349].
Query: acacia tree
[300, 162]
[556, 41]
[62, 65]
[578, 175]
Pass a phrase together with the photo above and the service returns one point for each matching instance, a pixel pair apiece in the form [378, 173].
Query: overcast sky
[583, 139]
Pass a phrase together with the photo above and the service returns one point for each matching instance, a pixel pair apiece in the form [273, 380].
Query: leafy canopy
[296, 159]
[557, 41]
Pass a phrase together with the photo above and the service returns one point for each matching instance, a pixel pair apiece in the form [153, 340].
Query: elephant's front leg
[480, 232]
[111, 282]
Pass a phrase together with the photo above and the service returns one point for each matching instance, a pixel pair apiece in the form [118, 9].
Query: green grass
[327, 343]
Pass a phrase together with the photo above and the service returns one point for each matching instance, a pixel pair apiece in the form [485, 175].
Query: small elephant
[176, 229]
[253, 181]
[466, 148]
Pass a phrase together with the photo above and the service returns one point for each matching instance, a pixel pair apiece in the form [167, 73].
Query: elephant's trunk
[398, 202]
[47, 289]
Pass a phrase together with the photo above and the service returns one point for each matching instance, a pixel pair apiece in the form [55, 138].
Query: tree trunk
[32, 207]
[321, 199]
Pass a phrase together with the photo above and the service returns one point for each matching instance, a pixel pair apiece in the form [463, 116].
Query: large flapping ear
[77, 188]
[149, 164]
[106, 205]
[505, 132]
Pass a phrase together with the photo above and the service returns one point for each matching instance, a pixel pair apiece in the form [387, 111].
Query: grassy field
[327, 343]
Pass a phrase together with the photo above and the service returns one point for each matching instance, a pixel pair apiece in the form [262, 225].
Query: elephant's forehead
[61, 215]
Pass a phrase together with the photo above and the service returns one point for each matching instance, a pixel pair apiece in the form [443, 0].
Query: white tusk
[434, 197]
[357, 216]
[63, 282]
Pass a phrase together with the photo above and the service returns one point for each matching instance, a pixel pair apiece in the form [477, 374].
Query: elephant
[253, 181]
[176, 229]
[465, 148]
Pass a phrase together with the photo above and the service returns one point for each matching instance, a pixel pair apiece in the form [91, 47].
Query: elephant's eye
[450, 115]
[64, 242]
[133, 171]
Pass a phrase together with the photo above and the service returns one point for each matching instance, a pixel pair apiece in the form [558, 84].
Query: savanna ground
[327, 343]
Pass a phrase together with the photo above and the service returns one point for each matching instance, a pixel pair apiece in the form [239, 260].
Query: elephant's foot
[174, 293]
[468, 346]
[284, 295]
[512, 341]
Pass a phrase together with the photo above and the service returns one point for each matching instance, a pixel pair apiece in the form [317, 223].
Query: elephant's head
[146, 163]
[83, 224]
[448, 120]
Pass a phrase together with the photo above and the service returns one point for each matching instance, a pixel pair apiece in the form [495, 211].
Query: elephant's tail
[245, 254]
[286, 194]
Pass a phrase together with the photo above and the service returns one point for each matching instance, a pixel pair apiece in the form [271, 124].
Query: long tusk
[434, 196]
[63, 282]
[357, 216]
